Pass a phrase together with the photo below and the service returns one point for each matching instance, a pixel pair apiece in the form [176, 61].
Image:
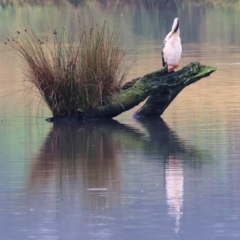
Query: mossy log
[159, 88]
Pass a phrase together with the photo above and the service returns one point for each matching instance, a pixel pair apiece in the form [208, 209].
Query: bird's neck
[177, 33]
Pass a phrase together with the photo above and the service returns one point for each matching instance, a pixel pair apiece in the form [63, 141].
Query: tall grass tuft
[73, 73]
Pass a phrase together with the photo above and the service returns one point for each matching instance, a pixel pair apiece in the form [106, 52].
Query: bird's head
[175, 26]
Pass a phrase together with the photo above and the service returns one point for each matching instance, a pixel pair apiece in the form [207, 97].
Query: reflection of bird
[174, 189]
[172, 48]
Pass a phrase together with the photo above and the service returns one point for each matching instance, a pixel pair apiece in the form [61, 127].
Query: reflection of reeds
[82, 160]
[73, 73]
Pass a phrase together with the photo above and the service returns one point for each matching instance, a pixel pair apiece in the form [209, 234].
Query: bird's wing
[164, 64]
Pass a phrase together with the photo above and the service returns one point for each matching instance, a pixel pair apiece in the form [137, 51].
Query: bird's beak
[175, 25]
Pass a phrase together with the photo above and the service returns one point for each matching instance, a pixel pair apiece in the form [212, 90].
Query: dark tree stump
[159, 88]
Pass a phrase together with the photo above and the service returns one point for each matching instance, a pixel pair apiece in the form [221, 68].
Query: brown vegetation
[233, 4]
[73, 73]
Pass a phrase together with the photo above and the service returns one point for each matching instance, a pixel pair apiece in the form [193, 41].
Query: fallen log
[159, 88]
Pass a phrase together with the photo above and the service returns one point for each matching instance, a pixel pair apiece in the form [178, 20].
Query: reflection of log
[159, 87]
[168, 143]
[89, 151]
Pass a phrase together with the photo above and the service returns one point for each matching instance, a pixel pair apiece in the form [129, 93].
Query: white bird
[172, 48]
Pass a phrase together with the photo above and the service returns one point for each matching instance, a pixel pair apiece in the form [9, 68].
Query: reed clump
[73, 73]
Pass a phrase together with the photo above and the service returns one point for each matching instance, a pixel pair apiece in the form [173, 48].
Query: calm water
[172, 178]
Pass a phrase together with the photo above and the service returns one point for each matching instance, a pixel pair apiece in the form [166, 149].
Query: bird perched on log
[172, 48]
